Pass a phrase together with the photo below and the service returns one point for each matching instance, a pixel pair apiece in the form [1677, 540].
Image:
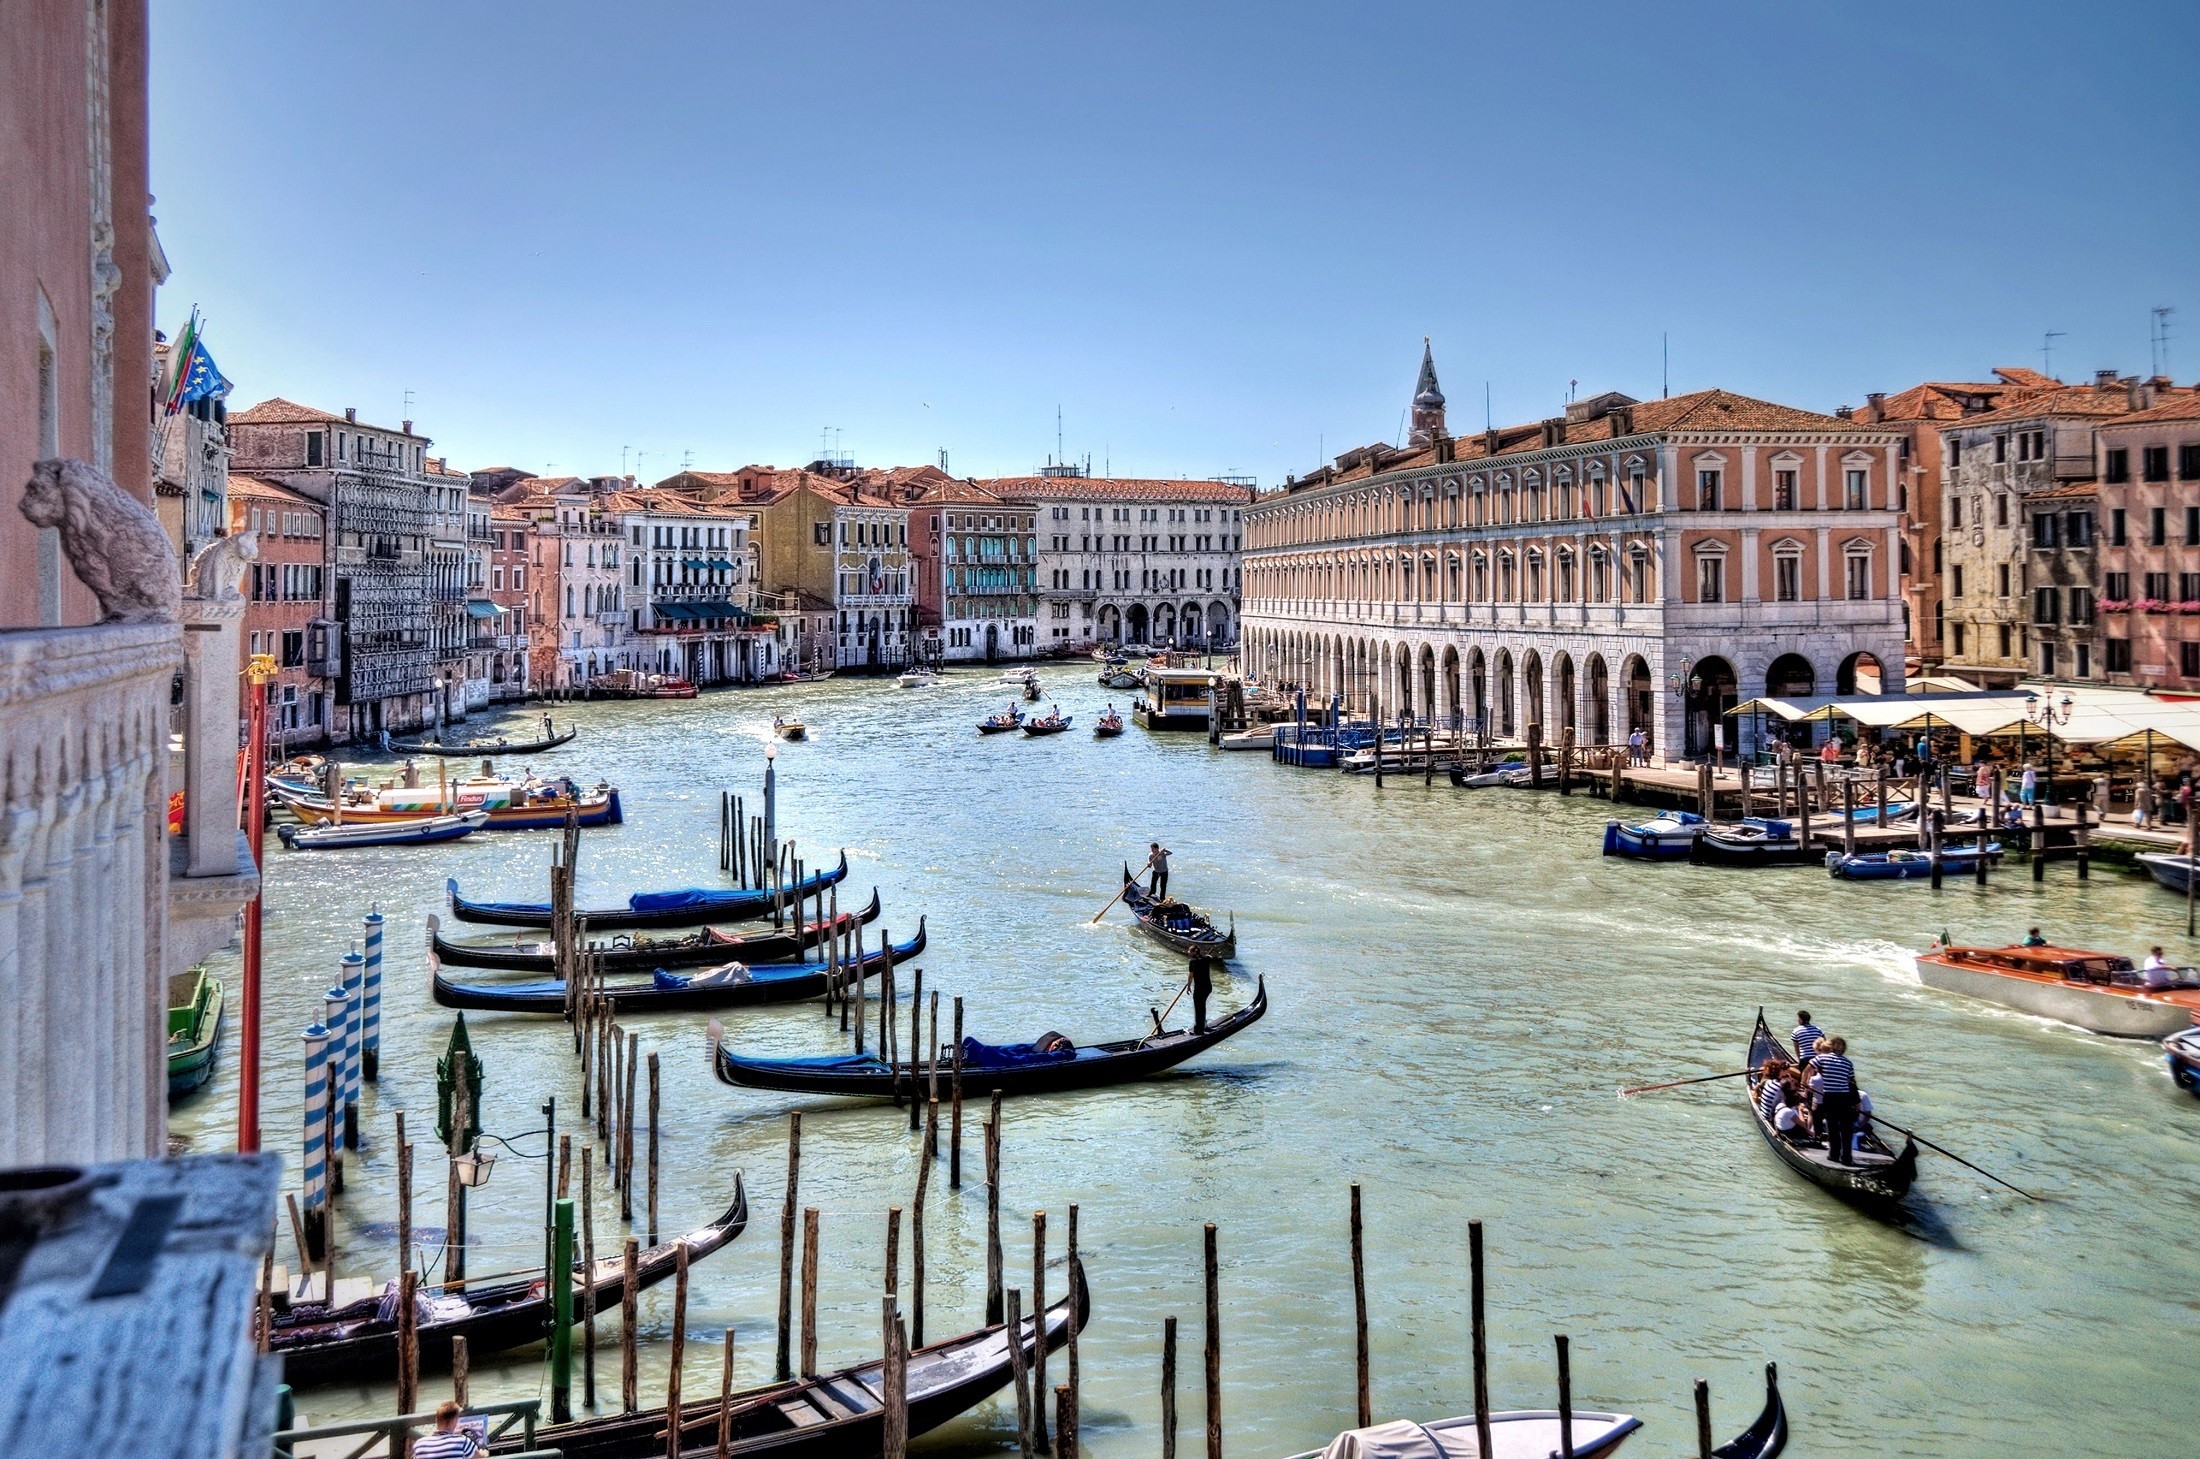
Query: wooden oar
[1112, 901]
[1958, 1159]
[1677, 1083]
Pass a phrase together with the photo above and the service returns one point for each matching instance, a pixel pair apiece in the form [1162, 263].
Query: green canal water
[1460, 984]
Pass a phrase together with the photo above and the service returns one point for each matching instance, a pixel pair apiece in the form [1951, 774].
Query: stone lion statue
[113, 541]
[220, 566]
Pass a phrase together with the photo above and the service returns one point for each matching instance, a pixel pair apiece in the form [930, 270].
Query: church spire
[1428, 402]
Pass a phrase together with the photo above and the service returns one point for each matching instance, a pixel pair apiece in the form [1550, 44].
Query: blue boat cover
[1011, 1056]
[686, 897]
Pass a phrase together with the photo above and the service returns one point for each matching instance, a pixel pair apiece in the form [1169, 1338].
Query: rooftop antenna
[1488, 423]
[408, 412]
[1665, 364]
[2047, 352]
[622, 458]
[1571, 387]
[2158, 338]
[1058, 433]
[687, 459]
[943, 459]
[638, 455]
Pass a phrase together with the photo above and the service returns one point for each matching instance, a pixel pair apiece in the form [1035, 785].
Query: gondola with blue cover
[987, 1069]
[687, 907]
[536, 953]
[735, 985]
[1905, 864]
[1669, 836]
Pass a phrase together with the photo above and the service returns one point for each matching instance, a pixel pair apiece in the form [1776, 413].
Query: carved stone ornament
[114, 543]
[219, 568]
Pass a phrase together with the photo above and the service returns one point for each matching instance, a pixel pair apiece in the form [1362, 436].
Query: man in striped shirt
[449, 1441]
[1836, 1098]
[1806, 1035]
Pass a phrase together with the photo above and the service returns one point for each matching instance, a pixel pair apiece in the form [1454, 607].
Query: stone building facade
[1625, 565]
[691, 589]
[2149, 544]
[286, 616]
[190, 467]
[973, 555]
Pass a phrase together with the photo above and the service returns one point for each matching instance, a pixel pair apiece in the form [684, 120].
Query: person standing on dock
[2028, 786]
[1157, 862]
[1202, 985]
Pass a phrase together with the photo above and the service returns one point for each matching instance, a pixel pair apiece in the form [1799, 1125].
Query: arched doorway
[1428, 684]
[1478, 701]
[1599, 702]
[1641, 695]
[1507, 721]
[1218, 622]
[1448, 675]
[1565, 686]
[992, 642]
[1402, 679]
[1135, 622]
[1111, 623]
[1859, 674]
[1531, 678]
[1164, 622]
[1711, 693]
[1791, 677]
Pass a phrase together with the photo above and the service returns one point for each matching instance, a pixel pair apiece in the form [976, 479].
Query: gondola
[1767, 1436]
[690, 907]
[984, 1070]
[1108, 726]
[1172, 924]
[483, 749]
[1007, 720]
[357, 1344]
[1052, 724]
[735, 985]
[1668, 836]
[1754, 841]
[838, 1415]
[1879, 1178]
[426, 831]
[1905, 864]
[530, 953]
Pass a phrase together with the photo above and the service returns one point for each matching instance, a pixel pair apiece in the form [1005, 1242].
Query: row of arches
[1187, 623]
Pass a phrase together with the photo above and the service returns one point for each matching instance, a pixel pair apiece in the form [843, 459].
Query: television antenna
[2047, 351]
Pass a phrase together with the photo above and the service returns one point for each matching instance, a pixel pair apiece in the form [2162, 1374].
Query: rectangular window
[2001, 579]
[2116, 465]
[2085, 660]
[1859, 490]
[2005, 639]
[2157, 586]
[2044, 601]
[2116, 586]
[1783, 491]
[1787, 578]
[1959, 640]
[2043, 530]
[2116, 537]
[2081, 529]
[2188, 659]
[1860, 577]
[2192, 526]
[1958, 576]
[2047, 659]
[2154, 463]
[2157, 527]
[2188, 463]
[2001, 509]
[2081, 605]
[2118, 655]
[2188, 587]
[1710, 579]
[313, 449]
[1707, 491]
[1955, 451]
[2001, 449]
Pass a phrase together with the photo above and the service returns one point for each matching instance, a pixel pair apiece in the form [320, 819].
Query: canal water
[1459, 986]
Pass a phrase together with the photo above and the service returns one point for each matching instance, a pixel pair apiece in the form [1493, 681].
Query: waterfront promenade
[1460, 984]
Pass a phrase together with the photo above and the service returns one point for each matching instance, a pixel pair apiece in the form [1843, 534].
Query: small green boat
[194, 1030]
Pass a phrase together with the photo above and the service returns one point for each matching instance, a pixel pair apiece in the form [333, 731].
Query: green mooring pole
[561, 1318]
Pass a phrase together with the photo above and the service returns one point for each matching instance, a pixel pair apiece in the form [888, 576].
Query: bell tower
[1428, 403]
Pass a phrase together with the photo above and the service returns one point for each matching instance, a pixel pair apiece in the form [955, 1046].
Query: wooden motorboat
[2183, 1050]
[1753, 841]
[533, 807]
[838, 1415]
[1018, 1069]
[2098, 991]
[1259, 737]
[533, 952]
[357, 1343]
[1006, 721]
[1905, 864]
[1669, 836]
[917, 678]
[419, 831]
[2172, 870]
[1119, 678]
[790, 729]
[194, 1031]
[1048, 724]
[1510, 773]
[687, 907]
[1172, 924]
[482, 749]
[633, 684]
[1880, 1176]
[1108, 726]
[732, 985]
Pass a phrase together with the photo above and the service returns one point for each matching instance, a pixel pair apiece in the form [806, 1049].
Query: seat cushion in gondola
[978, 1055]
[721, 977]
[671, 901]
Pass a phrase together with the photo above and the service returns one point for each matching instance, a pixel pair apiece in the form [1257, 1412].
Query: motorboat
[1667, 837]
[1511, 772]
[1259, 737]
[2171, 870]
[1752, 841]
[790, 729]
[1908, 864]
[1119, 678]
[2098, 991]
[918, 678]
[422, 831]
[2183, 1049]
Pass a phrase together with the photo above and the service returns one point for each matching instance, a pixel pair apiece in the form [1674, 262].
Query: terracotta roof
[663, 499]
[253, 486]
[1943, 399]
[2093, 401]
[949, 492]
[1117, 488]
[2185, 405]
[277, 411]
[766, 485]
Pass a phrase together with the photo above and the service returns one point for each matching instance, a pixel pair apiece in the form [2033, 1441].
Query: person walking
[2029, 785]
[1836, 1098]
[1157, 862]
[1202, 985]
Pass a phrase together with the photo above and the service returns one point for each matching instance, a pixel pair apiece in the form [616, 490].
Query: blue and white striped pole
[354, 1023]
[335, 1019]
[316, 1141]
[370, 1036]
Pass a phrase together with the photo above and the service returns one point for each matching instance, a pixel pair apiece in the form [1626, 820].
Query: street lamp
[2048, 714]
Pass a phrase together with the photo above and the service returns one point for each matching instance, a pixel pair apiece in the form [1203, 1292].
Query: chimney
[408, 428]
[2139, 393]
[2104, 380]
[1623, 421]
[1554, 431]
[1876, 404]
[351, 413]
[1843, 412]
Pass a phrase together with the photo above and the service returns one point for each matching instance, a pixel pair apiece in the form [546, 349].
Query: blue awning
[481, 608]
[721, 564]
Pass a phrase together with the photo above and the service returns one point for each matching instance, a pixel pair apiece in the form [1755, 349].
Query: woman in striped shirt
[1836, 1098]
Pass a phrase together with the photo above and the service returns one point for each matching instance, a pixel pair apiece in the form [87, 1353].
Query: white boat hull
[1253, 739]
[2121, 1015]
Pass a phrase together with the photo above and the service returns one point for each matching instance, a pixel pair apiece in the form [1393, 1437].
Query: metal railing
[396, 1433]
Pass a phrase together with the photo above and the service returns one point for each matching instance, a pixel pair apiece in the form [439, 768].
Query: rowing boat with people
[686, 907]
[472, 749]
[536, 952]
[1046, 1066]
[1880, 1177]
[1172, 924]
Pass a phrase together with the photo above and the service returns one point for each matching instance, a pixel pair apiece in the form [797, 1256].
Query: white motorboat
[1510, 773]
[1533, 1434]
[1260, 737]
[2098, 991]
[919, 678]
[421, 832]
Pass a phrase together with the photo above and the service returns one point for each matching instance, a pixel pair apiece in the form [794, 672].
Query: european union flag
[201, 380]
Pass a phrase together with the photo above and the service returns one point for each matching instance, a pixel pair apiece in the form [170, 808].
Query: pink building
[2149, 536]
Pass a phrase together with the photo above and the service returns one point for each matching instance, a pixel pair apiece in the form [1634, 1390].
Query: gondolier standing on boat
[1836, 1099]
[1202, 985]
[1157, 862]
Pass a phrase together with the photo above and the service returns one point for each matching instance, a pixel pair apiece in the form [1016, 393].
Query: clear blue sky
[1213, 236]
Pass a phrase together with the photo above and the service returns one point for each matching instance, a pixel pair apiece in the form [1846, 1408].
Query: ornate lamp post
[2048, 714]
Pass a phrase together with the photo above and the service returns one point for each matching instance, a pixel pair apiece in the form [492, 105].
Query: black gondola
[833, 1416]
[689, 907]
[735, 985]
[1765, 1438]
[524, 953]
[1880, 1176]
[1172, 924]
[357, 1344]
[1087, 1068]
[482, 749]
[1756, 841]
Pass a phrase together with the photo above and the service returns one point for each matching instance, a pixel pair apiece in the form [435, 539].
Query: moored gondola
[837, 1415]
[1880, 1177]
[1021, 1069]
[688, 907]
[530, 953]
[1172, 924]
[358, 1343]
[735, 985]
[1767, 1436]
[1753, 841]
[483, 749]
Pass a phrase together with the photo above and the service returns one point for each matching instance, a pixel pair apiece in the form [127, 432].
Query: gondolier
[1157, 862]
[1836, 1098]
[1202, 985]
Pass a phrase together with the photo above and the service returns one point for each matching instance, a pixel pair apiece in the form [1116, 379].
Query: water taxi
[789, 729]
[2099, 991]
